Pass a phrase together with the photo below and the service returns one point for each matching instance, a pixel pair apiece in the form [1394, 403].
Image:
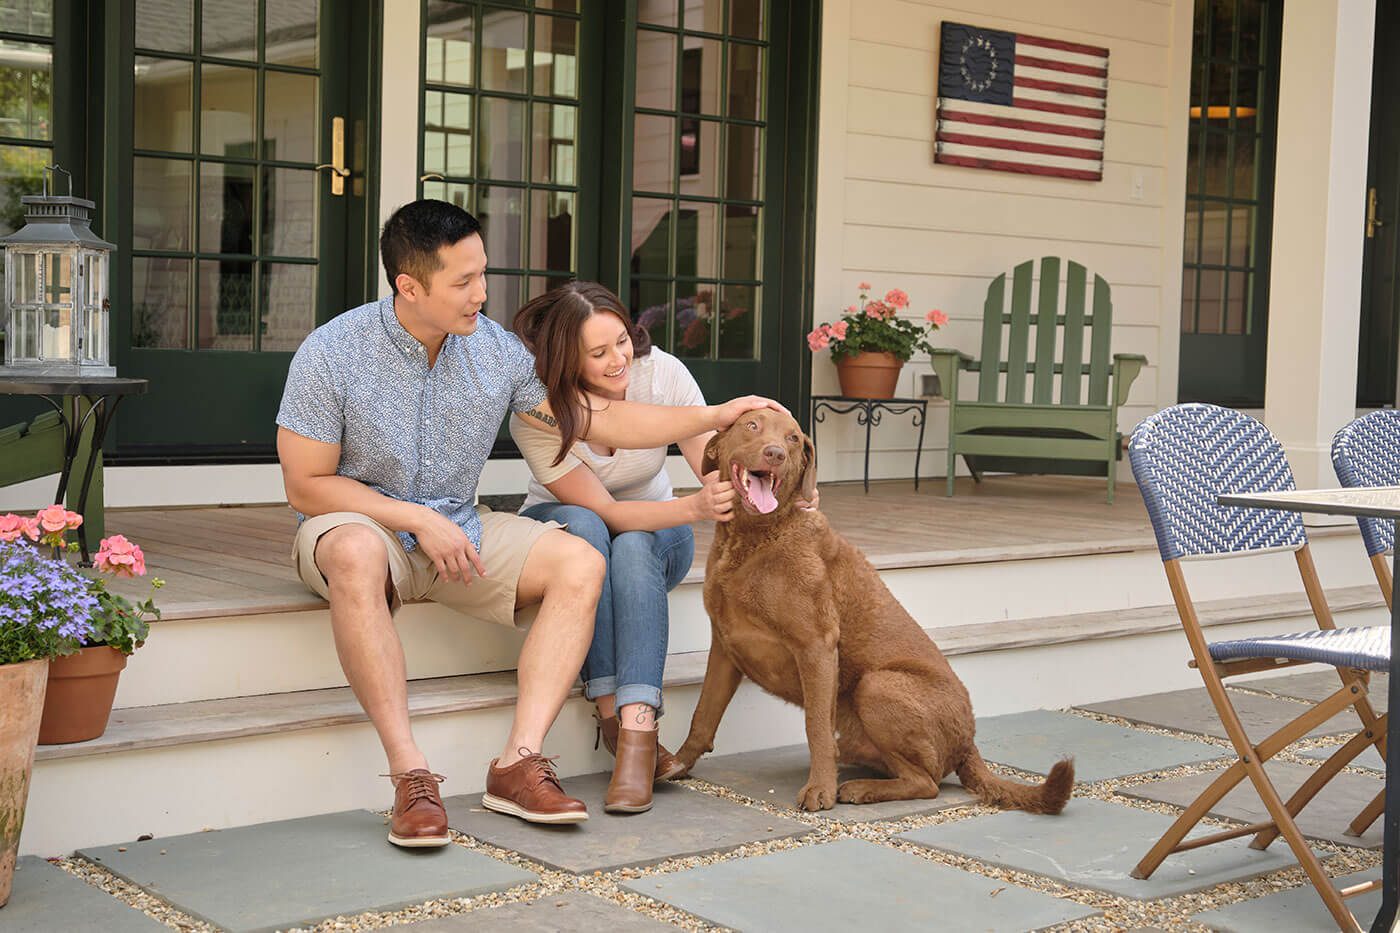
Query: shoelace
[420, 784]
[544, 768]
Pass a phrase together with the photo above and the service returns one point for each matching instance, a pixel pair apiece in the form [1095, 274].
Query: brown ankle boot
[633, 774]
[667, 765]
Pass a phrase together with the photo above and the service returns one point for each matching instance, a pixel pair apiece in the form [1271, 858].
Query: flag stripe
[1062, 46]
[1060, 87]
[1035, 126]
[1071, 58]
[1035, 61]
[1026, 136]
[1050, 106]
[973, 162]
[997, 110]
[1061, 77]
[1020, 145]
[1013, 155]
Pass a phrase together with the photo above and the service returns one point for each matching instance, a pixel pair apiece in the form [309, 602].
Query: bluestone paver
[1035, 740]
[681, 822]
[1370, 758]
[297, 872]
[1096, 844]
[45, 898]
[1326, 817]
[776, 775]
[570, 910]
[1315, 686]
[1301, 906]
[851, 884]
[1191, 711]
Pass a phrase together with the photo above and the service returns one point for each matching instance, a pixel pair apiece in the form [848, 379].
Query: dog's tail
[995, 790]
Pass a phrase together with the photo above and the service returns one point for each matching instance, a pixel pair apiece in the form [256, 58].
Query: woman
[621, 502]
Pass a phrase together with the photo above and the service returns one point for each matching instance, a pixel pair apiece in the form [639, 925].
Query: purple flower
[46, 606]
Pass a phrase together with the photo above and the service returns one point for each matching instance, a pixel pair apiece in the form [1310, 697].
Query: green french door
[244, 184]
[640, 143]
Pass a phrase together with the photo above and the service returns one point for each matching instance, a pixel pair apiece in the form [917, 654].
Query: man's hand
[448, 546]
[715, 500]
[730, 411]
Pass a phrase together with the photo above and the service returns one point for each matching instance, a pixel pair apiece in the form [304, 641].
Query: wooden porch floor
[232, 561]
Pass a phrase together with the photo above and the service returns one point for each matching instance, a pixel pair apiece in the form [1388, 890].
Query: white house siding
[888, 215]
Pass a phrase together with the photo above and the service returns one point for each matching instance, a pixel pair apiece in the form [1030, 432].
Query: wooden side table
[102, 394]
[868, 413]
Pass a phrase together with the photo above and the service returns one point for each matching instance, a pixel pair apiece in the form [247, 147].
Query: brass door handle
[337, 163]
[1371, 220]
[431, 176]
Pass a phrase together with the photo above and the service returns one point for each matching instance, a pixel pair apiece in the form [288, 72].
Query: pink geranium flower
[820, 338]
[936, 318]
[896, 298]
[119, 556]
[852, 309]
[838, 330]
[875, 309]
[864, 286]
[56, 518]
[12, 526]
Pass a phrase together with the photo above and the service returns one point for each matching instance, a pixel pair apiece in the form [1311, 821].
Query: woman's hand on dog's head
[732, 410]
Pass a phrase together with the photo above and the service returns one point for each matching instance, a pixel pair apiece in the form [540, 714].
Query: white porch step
[225, 762]
[265, 652]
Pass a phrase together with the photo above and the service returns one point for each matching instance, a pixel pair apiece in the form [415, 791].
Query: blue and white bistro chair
[1367, 453]
[1184, 458]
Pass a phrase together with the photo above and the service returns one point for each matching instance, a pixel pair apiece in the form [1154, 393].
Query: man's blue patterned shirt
[413, 433]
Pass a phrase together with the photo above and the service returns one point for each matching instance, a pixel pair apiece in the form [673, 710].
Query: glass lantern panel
[95, 274]
[94, 335]
[26, 334]
[26, 278]
[56, 278]
[56, 335]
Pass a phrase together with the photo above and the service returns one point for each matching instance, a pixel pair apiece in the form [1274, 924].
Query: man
[388, 416]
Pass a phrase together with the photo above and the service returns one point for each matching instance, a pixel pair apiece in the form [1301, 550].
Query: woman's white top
[655, 379]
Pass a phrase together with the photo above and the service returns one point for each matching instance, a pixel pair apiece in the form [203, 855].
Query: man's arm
[635, 426]
[314, 488]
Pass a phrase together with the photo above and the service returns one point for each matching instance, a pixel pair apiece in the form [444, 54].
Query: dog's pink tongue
[761, 494]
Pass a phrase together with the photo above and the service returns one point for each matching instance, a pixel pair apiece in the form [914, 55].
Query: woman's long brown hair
[551, 326]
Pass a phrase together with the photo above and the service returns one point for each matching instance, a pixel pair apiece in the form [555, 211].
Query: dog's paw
[817, 795]
[688, 754]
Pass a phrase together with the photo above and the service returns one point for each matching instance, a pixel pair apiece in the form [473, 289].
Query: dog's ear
[709, 462]
[808, 490]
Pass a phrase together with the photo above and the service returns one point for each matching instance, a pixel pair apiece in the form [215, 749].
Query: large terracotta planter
[21, 701]
[868, 374]
[82, 687]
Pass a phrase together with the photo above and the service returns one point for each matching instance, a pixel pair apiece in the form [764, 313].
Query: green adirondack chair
[1013, 427]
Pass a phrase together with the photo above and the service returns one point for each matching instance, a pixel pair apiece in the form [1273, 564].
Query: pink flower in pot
[117, 555]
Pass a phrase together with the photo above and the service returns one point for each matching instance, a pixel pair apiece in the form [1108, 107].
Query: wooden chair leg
[1316, 781]
[1226, 782]
[1366, 817]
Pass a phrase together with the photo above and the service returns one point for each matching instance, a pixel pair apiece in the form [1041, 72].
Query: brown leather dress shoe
[530, 789]
[667, 765]
[419, 819]
[633, 774]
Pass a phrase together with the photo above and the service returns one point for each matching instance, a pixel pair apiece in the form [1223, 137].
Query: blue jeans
[630, 632]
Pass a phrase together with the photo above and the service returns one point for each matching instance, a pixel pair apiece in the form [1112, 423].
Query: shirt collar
[401, 338]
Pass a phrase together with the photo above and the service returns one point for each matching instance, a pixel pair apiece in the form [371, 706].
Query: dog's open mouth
[758, 489]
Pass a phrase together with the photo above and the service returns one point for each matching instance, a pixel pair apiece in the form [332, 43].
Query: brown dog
[798, 610]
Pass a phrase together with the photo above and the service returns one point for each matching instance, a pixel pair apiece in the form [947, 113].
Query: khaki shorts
[506, 540]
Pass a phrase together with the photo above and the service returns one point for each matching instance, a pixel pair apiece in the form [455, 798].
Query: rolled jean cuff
[640, 693]
[599, 687]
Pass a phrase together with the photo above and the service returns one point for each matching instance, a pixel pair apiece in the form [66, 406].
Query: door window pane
[228, 100]
[738, 320]
[554, 129]
[288, 305]
[501, 212]
[653, 148]
[656, 70]
[556, 56]
[695, 318]
[447, 133]
[291, 129]
[502, 154]
[161, 204]
[741, 241]
[230, 28]
[451, 41]
[226, 199]
[651, 236]
[290, 33]
[165, 25]
[160, 302]
[26, 89]
[697, 240]
[745, 81]
[699, 156]
[225, 304]
[658, 12]
[32, 16]
[651, 309]
[452, 192]
[746, 19]
[503, 297]
[744, 166]
[552, 217]
[704, 15]
[503, 38]
[164, 97]
[701, 63]
[290, 208]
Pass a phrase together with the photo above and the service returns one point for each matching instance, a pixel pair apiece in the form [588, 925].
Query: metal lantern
[56, 289]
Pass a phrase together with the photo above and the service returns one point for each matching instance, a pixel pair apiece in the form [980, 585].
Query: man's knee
[352, 553]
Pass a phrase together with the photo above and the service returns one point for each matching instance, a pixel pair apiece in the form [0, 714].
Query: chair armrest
[947, 363]
[1126, 367]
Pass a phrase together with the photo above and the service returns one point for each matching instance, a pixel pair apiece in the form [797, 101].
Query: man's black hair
[414, 234]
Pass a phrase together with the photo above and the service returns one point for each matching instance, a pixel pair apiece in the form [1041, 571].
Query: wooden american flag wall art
[1017, 103]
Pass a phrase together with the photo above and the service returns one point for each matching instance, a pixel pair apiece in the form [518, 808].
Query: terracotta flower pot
[21, 701]
[868, 374]
[82, 687]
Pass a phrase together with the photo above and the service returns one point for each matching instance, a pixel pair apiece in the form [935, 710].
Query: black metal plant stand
[868, 413]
